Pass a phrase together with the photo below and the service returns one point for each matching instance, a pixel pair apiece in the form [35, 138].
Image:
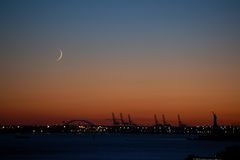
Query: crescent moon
[60, 57]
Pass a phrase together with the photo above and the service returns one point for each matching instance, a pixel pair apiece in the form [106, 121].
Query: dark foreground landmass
[229, 153]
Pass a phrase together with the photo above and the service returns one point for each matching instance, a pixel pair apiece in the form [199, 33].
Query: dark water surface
[105, 147]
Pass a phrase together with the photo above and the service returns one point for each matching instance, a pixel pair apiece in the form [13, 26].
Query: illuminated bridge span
[79, 122]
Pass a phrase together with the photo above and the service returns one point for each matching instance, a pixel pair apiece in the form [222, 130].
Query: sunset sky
[130, 56]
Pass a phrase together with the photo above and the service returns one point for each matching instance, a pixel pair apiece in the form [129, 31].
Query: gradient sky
[137, 57]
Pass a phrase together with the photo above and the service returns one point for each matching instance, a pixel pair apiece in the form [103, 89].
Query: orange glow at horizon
[60, 94]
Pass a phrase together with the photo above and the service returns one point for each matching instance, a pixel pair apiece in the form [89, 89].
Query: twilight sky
[131, 56]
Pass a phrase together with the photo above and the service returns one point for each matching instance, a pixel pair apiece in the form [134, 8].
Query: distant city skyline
[140, 57]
